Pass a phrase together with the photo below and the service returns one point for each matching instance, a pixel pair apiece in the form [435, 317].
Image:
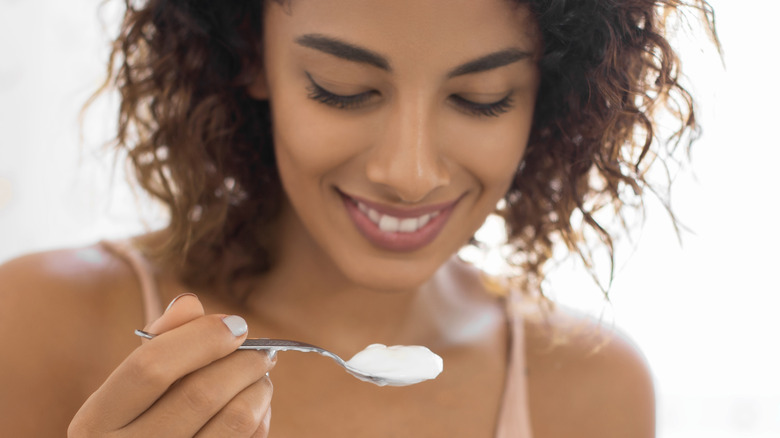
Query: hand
[188, 381]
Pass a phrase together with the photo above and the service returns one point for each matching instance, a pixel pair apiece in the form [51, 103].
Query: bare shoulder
[62, 315]
[73, 286]
[586, 379]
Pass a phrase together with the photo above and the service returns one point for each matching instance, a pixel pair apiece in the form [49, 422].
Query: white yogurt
[401, 364]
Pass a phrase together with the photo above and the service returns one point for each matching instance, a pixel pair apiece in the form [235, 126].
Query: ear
[258, 89]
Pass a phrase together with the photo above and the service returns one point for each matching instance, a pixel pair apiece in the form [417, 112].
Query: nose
[406, 158]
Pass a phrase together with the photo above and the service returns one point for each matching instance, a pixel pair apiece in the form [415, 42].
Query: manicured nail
[236, 324]
[181, 295]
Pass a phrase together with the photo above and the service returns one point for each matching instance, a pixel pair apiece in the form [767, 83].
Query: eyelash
[336, 100]
[324, 96]
[494, 109]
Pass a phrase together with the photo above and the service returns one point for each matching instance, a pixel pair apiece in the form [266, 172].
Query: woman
[323, 162]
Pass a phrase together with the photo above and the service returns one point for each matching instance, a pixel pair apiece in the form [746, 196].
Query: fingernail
[236, 324]
[179, 296]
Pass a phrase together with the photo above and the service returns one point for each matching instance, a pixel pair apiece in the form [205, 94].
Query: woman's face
[398, 125]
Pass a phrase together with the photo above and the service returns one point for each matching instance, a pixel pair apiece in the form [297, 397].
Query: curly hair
[609, 76]
[199, 144]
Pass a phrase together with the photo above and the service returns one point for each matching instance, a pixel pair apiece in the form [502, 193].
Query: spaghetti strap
[514, 419]
[143, 271]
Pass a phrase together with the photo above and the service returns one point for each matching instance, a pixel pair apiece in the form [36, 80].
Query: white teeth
[391, 224]
[408, 225]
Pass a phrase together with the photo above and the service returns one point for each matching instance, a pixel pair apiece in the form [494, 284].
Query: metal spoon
[274, 345]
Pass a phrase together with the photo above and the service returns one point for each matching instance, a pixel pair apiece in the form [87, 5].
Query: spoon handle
[276, 344]
[259, 344]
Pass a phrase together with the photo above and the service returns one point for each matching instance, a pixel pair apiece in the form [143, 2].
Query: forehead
[409, 30]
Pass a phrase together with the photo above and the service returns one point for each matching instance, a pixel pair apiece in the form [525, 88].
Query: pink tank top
[514, 419]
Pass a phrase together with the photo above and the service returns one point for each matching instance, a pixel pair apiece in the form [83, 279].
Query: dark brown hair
[198, 143]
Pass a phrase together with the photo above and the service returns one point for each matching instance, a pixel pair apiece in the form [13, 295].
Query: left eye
[493, 109]
[316, 92]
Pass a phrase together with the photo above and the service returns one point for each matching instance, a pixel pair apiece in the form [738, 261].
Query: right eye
[316, 92]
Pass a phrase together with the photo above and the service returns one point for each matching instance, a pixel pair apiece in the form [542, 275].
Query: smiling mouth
[398, 229]
[392, 224]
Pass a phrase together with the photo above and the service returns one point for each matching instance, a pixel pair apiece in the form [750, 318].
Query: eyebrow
[344, 50]
[490, 62]
[351, 52]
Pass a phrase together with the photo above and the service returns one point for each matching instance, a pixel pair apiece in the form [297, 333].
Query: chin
[392, 276]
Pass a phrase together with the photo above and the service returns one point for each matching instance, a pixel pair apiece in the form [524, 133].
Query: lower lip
[400, 242]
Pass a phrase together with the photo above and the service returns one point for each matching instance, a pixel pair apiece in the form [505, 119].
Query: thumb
[183, 309]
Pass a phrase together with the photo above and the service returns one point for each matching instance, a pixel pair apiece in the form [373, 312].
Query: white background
[704, 311]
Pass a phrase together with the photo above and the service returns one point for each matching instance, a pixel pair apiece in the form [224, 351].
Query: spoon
[274, 345]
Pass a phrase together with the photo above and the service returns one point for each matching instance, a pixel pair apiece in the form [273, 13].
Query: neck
[313, 311]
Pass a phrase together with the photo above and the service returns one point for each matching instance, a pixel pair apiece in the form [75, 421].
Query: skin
[411, 143]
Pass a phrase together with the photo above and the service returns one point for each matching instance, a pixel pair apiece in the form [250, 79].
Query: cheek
[312, 141]
[491, 154]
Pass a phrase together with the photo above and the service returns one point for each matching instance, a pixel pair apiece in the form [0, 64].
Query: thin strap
[514, 419]
[151, 299]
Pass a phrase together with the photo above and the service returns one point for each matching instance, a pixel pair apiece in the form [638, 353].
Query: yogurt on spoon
[398, 365]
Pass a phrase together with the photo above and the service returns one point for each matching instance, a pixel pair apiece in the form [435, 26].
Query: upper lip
[410, 212]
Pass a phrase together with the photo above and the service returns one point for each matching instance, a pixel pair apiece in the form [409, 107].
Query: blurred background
[702, 308]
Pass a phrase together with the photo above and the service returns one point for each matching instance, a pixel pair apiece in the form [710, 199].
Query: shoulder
[62, 315]
[586, 379]
[64, 285]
